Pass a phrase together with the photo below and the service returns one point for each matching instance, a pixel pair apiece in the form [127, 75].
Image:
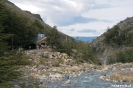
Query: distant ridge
[85, 39]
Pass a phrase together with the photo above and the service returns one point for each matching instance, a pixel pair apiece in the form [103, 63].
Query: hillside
[31, 16]
[114, 40]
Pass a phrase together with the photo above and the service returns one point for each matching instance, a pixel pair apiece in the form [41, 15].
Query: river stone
[74, 50]
[42, 78]
[42, 86]
[41, 67]
[68, 82]
[45, 54]
[50, 56]
[53, 69]
[69, 62]
[16, 86]
[55, 76]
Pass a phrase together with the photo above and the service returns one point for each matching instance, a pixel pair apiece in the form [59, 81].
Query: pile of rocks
[54, 55]
[50, 57]
[43, 69]
[118, 73]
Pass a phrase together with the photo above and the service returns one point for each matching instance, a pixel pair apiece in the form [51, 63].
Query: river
[89, 79]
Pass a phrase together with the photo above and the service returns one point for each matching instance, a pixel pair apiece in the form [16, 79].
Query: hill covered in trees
[116, 44]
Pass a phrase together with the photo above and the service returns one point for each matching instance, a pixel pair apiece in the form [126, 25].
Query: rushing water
[86, 80]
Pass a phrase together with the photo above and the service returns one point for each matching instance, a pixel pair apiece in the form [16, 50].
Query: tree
[113, 36]
[22, 30]
[67, 45]
[53, 37]
[3, 17]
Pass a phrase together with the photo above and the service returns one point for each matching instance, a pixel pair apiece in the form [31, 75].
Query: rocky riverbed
[58, 70]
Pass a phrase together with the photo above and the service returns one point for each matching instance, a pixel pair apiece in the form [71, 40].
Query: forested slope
[116, 44]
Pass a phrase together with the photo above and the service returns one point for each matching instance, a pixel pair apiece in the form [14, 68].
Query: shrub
[123, 56]
[9, 64]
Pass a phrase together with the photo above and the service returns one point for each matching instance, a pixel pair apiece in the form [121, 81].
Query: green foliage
[82, 51]
[79, 50]
[113, 36]
[3, 48]
[38, 26]
[117, 37]
[87, 52]
[53, 37]
[3, 16]
[21, 28]
[9, 64]
[123, 56]
[17, 28]
[67, 45]
[129, 39]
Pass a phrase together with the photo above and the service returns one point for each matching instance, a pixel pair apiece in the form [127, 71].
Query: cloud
[101, 6]
[79, 17]
[87, 31]
[60, 12]
[74, 20]
[72, 29]
[30, 8]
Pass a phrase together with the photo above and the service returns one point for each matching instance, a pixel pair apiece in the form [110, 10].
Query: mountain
[85, 39]
[115, 40]
[32, 16]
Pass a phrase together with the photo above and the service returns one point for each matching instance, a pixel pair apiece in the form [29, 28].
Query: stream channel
[90, 79]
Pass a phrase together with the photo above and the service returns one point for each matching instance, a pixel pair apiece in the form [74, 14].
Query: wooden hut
[41, 43]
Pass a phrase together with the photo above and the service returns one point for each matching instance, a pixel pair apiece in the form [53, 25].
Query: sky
[79, 17]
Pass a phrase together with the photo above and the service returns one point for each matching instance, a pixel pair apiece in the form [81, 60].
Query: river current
[87, 80]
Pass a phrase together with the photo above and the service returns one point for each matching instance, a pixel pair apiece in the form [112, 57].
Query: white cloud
[100, 27]
[29, 7]
[113, 13]
[78, 15]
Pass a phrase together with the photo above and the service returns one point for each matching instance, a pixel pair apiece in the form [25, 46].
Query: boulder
[64, 56]
[72, 69]
[55, 76]
[74, 50]
[42, 78]
[69, 62]
[68, 82]
[41, 67]
[45, 54]
[16, 86]
[55, 69]
[50, 56]
[42, 86]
